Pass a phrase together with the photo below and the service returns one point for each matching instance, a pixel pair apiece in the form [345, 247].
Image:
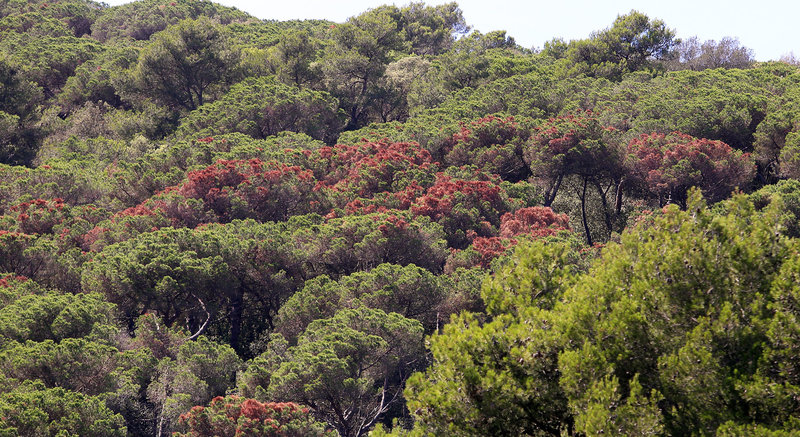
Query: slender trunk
[160, 428]
[550, 196]
[202, 328]
[353, 122]
[583, 213]
[618, 200]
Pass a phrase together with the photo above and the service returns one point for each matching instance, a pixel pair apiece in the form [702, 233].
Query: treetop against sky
[767, 27]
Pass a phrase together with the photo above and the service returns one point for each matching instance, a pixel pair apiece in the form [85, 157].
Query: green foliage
[788, 191]
[22, 254]
[349, 368]
[776, 137]
[354, 64]
[467, 64]
[94, 80]
[55, 316]
[518, 95]
[33, 410]
[604, 410]
[200, 371]
[473, 61]
[431, 30]
[294, 56]
[725, 105]
[345, 245]
[9, 151]
[632, 43]
[703, 337]
[186, 207]
[677, 326]
[178, 273]
[260, 38]
[186, 65]
[410, 291]
[263, 107]
[76, 364]
[74, 16]
[34, 23]
[17, 94]
[141, 19]
[136, 181]
[77, 182]
[48, 61]
[534, 276]
[498, 377]
[493, 379]
[18, 99]
[233, 279]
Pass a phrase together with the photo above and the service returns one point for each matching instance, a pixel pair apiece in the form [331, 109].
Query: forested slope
[212, 224]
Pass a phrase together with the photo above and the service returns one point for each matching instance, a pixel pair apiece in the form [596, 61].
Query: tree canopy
[213, 224]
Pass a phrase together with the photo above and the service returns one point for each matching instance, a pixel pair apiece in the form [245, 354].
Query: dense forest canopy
[216, 225]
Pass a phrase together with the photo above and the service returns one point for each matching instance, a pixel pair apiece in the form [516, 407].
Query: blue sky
[769, 27]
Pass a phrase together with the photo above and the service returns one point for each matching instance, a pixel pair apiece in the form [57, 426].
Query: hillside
[212, 224]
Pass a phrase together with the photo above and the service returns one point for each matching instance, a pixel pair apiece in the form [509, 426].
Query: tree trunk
[550, 195]
[583, 213]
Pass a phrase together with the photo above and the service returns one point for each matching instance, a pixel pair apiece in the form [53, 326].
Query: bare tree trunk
[583, 213]
[205, 324]
[550, 195]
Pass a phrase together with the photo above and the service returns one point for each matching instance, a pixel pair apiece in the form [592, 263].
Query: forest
[217, 225]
